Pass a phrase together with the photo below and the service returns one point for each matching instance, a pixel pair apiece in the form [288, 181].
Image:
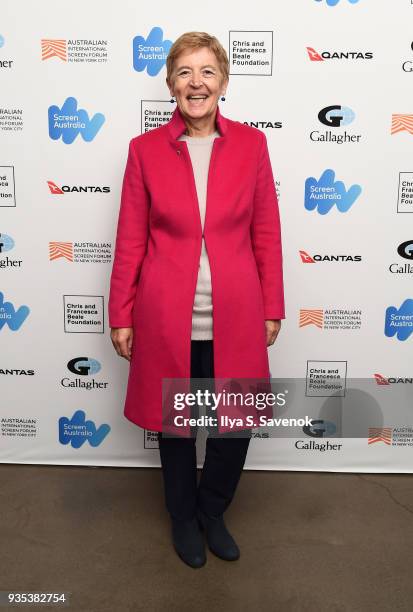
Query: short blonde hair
[196, 40]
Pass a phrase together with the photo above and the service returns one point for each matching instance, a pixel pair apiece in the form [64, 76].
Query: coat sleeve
[131, 242]
[266, 237]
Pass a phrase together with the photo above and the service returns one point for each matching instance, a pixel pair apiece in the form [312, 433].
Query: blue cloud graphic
[399, 322]
[151, 52]
[334, 2]
[322, 195]
[11, 317]
[77, 430]
[68, 122]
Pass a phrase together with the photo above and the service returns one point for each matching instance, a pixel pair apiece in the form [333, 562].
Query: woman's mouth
[197, 99]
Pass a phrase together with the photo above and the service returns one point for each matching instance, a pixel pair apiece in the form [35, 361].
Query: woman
[196, 287]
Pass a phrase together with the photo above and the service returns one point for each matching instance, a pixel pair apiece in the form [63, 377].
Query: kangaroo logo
[11, 317]
[67, 122]
[322, 195]
[151, 52]
[77, 430]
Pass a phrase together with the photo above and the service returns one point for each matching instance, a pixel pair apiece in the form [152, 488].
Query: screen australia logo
[150, 53]
[335, 2]
[77, 430]
[323, 194]
[11, 316]
[69, 121]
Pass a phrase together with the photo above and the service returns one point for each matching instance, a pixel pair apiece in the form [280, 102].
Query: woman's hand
[273, 327]
[122, 338]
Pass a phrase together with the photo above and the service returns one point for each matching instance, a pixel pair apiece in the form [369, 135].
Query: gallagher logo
[76, 431]
[7, 244]
[56, 190]
[67, 122]
[399, 322]
[405, 250]
[306, 258]
[401, 123]
[382, 381]
[335, 2]
[335, 116]
[150, 53]
[83, 367]
[11, 317]
[320, 428]
[324, 194]
[315, 56]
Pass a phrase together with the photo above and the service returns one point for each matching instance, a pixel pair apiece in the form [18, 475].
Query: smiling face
[197, 83]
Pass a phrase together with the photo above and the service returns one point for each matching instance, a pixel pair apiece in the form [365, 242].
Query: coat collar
[177, 125]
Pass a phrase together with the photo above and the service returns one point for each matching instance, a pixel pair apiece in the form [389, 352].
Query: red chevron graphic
[311, 317]
[380, 434]
[402, 123]
[53, 48]
[380, 380]
[61, 249]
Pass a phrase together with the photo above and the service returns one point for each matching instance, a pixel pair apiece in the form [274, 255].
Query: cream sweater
[200, 152]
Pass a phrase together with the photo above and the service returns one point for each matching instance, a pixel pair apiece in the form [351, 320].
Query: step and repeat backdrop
[330, 84]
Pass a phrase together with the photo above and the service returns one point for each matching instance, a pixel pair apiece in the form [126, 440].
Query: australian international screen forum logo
[81, 252]
[86, 51]
[330, 318]
[401, 123]
[69, 121]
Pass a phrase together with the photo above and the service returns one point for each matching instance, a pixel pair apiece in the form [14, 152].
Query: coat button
[178, 151]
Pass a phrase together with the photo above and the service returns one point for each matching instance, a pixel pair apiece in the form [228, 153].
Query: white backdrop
[60, 193]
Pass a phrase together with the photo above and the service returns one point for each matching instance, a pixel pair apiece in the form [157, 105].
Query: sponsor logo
[81, 252]
[15, 372]
[380, 434]
[330, 319]
[391, 436]
[335, 116]
[401, 123]
[405, 194]
[324, 194]
[335, 2]
[306, 258]
[320, 429]
[264, 124]
[83, 367]
[4, 63]
[56, 190]
[67, 122]
[318, 446]
[315, 56]
[150, 53]
[7, 244]
[381, 380]
[11, 119]
[407, 66]
[10, 316]
[399, 322]
[7, 188]
[405, 250]
[83, 314]
[251, 52]
[78, 51]
[76, 431]
[325, 378]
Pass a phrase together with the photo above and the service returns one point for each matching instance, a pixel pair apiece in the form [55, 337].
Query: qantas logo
[315, 56]
[56, 190]
[306, 258]
[381, 380]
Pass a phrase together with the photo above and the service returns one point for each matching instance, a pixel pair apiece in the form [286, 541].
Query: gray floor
[309, 541]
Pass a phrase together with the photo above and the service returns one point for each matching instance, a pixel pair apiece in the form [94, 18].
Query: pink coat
[158, 247]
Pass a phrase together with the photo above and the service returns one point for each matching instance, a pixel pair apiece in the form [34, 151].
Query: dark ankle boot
[220, 541]
[189, 542]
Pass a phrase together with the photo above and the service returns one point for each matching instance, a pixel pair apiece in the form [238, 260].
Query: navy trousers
[224, 458]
